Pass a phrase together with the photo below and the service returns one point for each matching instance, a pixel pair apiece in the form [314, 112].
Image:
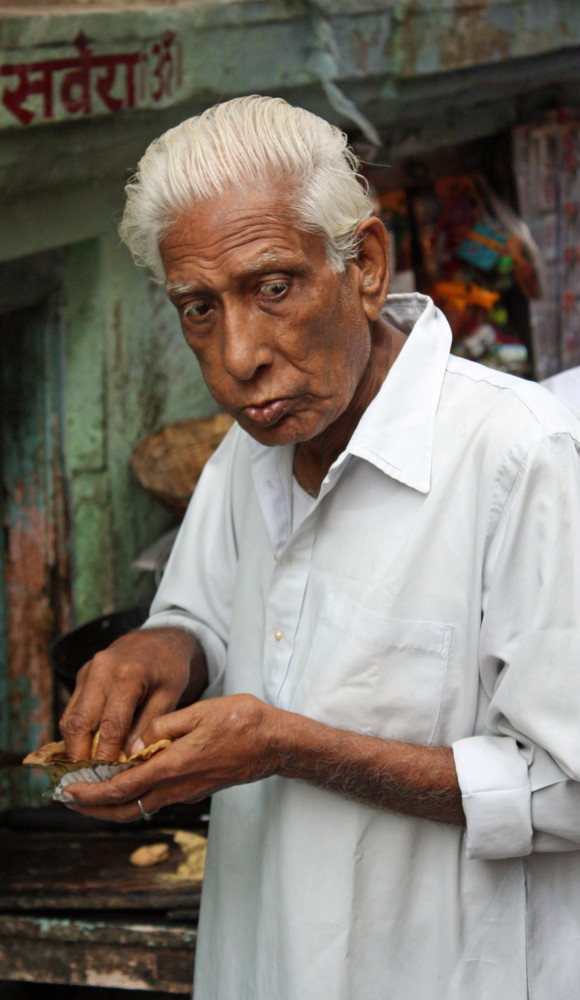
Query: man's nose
[245, 347]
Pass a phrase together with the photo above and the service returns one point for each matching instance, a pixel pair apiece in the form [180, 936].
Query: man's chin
[285, 431]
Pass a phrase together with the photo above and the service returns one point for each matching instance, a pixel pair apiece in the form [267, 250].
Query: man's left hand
[215, 744]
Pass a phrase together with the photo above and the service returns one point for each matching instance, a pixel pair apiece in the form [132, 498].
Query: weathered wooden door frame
[35, 588]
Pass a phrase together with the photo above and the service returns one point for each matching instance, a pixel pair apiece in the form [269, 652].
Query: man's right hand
[125, 687]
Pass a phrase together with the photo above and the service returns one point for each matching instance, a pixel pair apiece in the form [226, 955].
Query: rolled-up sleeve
[495, 788]
[520, 774]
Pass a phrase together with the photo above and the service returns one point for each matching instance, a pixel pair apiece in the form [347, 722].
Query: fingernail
[67, 797]
[137, 745]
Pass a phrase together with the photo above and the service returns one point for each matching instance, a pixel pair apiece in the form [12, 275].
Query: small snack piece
[62, 771]
[149, 854]
[194, 848]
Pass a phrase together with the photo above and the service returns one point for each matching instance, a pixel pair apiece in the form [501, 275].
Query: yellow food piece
[192, 867]
[53, 758]
[149, 854]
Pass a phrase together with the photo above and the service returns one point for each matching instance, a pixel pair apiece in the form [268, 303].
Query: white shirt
[429, 594]
[566, 385]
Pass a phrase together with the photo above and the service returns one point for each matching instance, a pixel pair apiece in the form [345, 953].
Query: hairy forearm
[404, 777]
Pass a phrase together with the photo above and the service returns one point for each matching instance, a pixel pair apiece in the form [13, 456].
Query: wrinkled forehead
[251, 231]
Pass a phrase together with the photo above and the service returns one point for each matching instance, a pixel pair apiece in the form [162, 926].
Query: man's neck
[312, 459]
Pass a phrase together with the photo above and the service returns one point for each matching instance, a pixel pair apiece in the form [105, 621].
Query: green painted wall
[128, 372]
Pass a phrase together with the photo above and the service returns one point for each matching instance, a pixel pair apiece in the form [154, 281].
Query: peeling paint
[434, 40]
[472, 38]
[30, 613]
[118, 980]
[36, 575]
[98, 953]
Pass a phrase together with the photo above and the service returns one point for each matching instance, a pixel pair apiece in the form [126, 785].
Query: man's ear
[373, 265]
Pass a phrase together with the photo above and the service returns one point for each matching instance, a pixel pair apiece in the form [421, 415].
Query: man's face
[283, 342]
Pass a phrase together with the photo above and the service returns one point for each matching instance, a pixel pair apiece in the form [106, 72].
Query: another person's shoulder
[566, 385]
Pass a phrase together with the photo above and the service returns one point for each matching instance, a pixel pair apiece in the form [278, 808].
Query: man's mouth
[266, 414]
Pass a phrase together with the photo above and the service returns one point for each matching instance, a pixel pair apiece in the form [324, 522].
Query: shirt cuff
[496, 795]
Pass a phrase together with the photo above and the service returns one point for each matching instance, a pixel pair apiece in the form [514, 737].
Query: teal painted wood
[128, 372]
[36, 586]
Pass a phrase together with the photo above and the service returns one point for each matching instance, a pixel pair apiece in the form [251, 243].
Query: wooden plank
[54, 871]
[135, 955]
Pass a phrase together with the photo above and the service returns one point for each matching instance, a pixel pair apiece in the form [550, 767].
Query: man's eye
[273, 289]
[197, 310]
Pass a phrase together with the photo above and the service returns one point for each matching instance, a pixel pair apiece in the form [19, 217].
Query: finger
[110, 717]
[166, 794]
[152, 712]
[117, 718]
[124, 787]
[160, 781]
[128, 813]
[173, 725]
[80, 720]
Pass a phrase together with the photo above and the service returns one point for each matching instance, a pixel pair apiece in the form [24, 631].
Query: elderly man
[365, 645]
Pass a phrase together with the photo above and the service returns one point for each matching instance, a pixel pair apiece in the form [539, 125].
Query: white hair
[242, 142]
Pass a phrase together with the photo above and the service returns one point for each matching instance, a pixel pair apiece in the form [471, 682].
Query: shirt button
[278, 634]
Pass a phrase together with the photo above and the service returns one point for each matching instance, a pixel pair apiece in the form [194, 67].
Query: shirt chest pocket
[375, 675]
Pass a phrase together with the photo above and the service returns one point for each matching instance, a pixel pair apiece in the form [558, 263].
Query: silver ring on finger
[143, 811]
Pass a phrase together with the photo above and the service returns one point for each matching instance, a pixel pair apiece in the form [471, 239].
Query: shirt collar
[396, 431]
